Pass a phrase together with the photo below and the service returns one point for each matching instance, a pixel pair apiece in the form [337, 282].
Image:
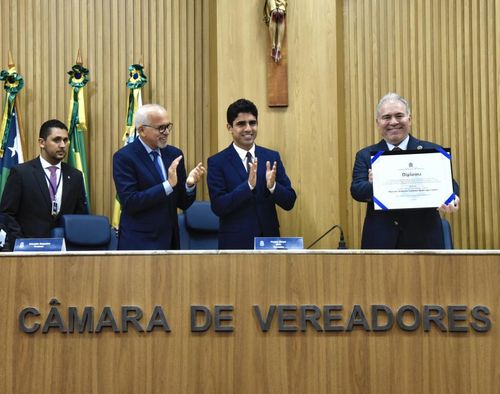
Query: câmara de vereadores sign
[284, 318]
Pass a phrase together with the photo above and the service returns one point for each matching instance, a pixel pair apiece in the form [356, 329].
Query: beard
[162, 144]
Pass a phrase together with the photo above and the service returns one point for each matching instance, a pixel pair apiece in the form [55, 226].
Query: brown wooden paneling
[248, 360]
[306, 133]
[439, 55]
[169, 37]
[343, 55]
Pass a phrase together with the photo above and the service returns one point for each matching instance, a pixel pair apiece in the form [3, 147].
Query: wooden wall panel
[200, 55]
[307, 132]
[169, 36]
[343, 56]
[443, 57]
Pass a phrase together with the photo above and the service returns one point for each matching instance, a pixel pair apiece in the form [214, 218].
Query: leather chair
[86, 232]
[198, 227]
[448, 239]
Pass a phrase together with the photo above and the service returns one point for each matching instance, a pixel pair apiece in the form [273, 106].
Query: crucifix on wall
[277, 62]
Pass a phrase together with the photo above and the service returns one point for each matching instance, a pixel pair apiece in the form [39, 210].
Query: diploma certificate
[412, 179]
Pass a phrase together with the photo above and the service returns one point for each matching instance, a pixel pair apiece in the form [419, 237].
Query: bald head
[153, 125]
[143, 114]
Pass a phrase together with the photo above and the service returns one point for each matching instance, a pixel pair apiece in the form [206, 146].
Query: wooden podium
[235, 353]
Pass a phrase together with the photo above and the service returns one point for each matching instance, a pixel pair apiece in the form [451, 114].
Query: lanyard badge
[54, 208]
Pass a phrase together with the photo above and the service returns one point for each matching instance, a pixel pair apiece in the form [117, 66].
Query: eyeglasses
[388, 118]
[243, 123]
[161, 128]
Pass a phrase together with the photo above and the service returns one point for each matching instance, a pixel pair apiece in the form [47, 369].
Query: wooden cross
[277, 54]
[277, 77]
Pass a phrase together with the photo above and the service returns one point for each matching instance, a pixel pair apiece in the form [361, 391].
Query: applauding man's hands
[270, 175]
[195, 175]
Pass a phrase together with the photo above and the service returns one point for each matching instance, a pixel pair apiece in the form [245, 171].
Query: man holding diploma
[398, 228]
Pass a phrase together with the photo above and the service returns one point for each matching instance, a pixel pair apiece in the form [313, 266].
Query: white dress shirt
[45, 166]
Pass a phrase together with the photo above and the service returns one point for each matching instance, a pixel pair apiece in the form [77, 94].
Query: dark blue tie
[155, 155]
[249, 161]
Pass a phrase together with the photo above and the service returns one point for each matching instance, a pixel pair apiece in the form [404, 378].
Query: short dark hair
[47, 127]
[241, 106]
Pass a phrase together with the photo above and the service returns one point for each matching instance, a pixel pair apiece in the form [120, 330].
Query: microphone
[342, 244]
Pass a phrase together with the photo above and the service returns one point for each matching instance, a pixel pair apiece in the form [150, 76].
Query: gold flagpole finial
[11, 60]
[79, 59]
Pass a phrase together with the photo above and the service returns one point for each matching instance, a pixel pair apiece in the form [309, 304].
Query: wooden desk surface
[249, 360]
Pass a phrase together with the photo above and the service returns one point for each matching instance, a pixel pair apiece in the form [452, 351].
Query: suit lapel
[167, 159]
[39, 175]
[261, 168]
[382, 145]
[146, 159]
[413, 143]
[236, 162]
[66, 182]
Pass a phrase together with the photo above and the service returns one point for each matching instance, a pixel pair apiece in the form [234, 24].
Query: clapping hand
[172, 171]
[252, 174]
[270, 174]
[195, 175]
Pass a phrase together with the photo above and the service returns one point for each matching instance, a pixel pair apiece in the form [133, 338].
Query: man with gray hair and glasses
[151, 183]
[397, 228]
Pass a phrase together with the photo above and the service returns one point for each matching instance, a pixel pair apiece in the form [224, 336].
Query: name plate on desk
[278, 243]
[412, 179]
[40, 245]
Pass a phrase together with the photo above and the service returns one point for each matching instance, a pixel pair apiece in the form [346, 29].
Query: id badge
[54, 208]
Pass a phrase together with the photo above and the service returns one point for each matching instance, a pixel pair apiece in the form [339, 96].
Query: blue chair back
[198, 227]
[448, 239]
[86, 232]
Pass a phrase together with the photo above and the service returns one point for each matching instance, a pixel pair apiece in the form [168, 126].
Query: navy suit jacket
[244, 213]
[26, 198]
[384, 229]
[148, 219]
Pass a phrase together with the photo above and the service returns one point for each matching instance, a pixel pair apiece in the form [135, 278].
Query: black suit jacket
[419, 228]
[26, 197]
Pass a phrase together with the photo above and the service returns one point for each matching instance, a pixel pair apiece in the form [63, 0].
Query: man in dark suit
[40, 191]
[246, 182]
[151, 183]
[399, 228]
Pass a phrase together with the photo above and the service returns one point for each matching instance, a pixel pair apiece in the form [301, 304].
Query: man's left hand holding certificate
[413, 179]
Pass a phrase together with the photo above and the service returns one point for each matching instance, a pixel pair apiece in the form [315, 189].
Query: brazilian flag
[137, 79]
[77, 158]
